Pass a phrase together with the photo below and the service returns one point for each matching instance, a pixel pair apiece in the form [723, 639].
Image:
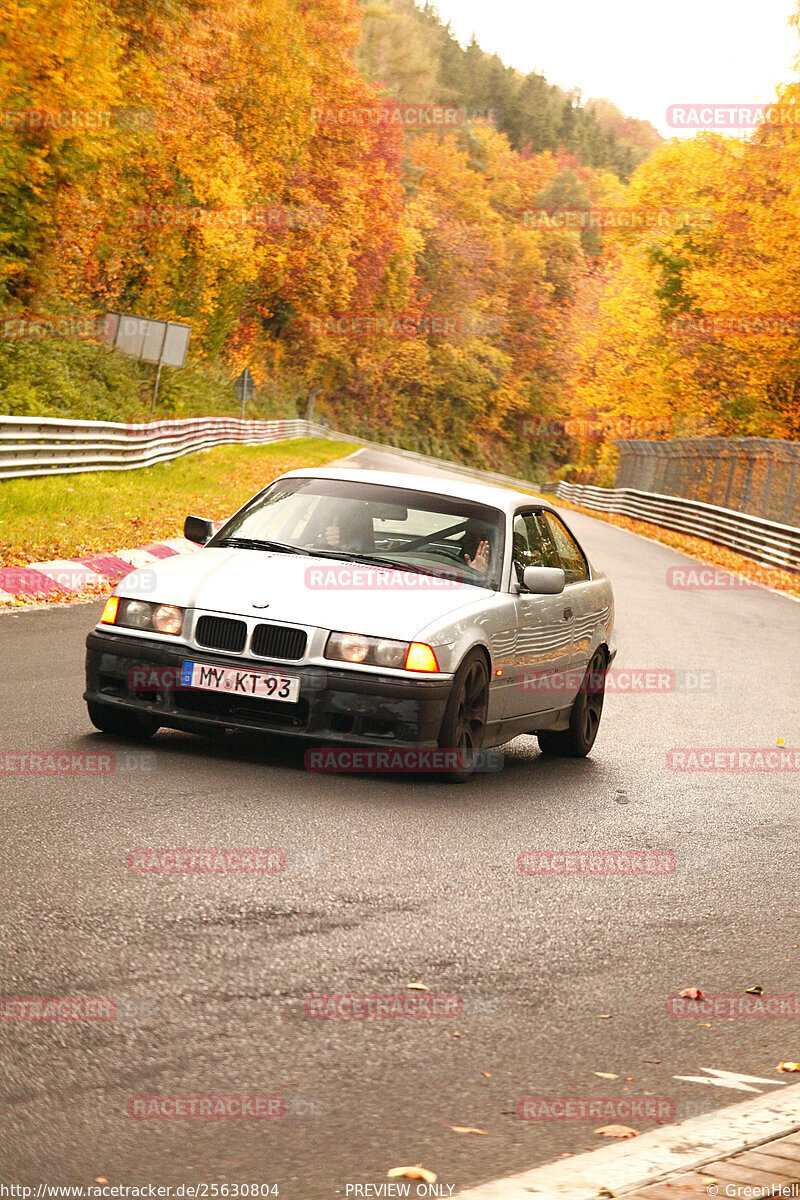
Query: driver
[347, 527]
[476, 545]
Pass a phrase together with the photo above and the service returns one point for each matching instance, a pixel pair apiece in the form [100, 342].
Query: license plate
[265, 685]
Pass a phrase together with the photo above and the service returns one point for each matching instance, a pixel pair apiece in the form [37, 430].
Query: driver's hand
[481, 560]
[332, 535]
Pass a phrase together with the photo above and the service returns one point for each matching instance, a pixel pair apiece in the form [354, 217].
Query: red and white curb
[655, 1156]
[67, 579]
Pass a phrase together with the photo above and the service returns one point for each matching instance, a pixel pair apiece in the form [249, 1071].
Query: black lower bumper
[141, 676]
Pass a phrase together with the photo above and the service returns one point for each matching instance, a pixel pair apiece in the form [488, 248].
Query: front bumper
[334, 705]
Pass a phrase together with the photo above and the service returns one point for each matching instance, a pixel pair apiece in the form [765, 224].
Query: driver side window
[532, 546]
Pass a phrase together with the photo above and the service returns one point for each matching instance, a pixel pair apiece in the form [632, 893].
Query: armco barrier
[31, 446]
[764, 541]
[49, 446]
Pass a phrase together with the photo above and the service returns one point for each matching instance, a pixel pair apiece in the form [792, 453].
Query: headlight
[140, 614]
[380, 652]
[168, 619]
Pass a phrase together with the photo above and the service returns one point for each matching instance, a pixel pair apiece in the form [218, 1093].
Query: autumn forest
[441, 252]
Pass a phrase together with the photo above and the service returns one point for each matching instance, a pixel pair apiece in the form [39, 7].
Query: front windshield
[369, 522]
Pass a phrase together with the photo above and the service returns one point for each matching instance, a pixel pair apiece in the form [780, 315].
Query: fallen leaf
[605, 1016]
[417, 987]
[787, 1066]
[417, 1172]
[704, 1024]
[467, 1129]
[604, 1075]
[618, 1131]
[754, 991]
[691, 994]
[486, 1075]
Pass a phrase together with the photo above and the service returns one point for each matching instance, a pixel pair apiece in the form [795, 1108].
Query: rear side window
[570, 555]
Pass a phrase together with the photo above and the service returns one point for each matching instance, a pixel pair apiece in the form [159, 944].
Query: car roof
[490, 494]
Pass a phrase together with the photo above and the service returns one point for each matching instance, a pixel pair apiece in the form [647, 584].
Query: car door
[544, 623]
[580, 594]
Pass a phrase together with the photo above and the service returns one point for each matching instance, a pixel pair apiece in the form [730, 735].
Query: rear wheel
[584, 719]
[121, 722]
[464, 721]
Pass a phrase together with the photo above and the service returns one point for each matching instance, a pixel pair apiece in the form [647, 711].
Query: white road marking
[137, 558]
[730, 1079]
[181, 544]
[71, 568]
[686, 1146]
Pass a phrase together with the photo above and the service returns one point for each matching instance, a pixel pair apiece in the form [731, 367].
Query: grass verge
[66, 516]
[707, 552]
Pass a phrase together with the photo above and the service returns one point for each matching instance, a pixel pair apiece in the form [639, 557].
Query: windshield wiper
[242, 543]
[370, 560]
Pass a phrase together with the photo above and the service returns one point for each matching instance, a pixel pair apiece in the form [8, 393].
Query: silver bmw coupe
[364, 609]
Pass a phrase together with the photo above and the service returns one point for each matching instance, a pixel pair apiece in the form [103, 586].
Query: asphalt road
[392, 880]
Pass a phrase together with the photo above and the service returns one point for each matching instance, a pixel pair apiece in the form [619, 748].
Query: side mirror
[543, 581]
[198, 529]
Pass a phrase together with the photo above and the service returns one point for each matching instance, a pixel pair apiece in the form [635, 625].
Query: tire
[584, 719]
[120, 722]
[464, 722]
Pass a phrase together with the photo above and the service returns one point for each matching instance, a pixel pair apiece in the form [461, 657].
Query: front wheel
[584, 720]
[120, 722]
[464, 721]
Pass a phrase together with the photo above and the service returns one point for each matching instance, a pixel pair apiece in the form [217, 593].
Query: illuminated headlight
[168, 619]
[140, 614]
[380, 652]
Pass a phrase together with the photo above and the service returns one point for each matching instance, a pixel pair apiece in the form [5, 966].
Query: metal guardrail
[49, 446]
[31, 446]
[764, 541]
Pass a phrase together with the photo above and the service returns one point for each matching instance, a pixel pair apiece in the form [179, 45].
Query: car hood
[326, 593]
